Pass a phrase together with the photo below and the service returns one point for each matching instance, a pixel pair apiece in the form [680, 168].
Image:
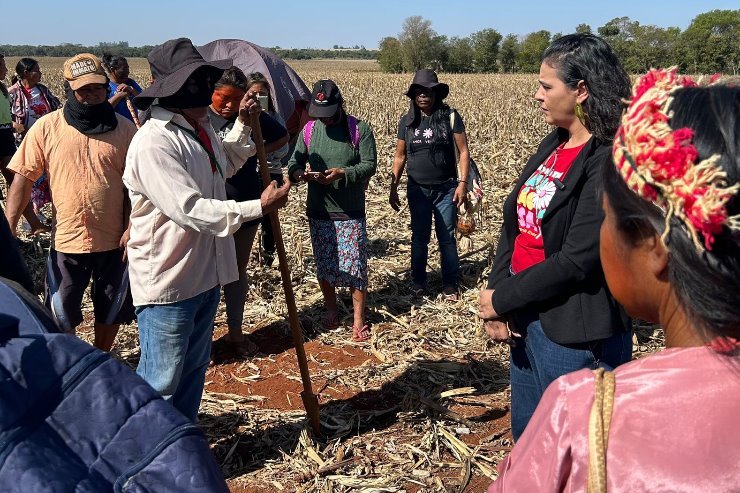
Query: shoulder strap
[598, 429]
[452, 134]
[354, 131]
[307, 132]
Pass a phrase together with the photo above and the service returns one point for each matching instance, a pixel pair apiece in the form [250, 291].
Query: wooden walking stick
[310, 402]
[133, 112]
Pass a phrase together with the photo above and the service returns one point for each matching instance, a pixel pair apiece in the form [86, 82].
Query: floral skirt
[340, 251]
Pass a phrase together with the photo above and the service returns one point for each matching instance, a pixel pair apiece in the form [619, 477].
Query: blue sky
[322, 24]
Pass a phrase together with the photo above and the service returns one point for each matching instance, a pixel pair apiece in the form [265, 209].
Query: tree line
[122, 48]
[711, 43]
[70, 49]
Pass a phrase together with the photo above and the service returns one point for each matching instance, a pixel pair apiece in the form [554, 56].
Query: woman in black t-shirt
[430, 136]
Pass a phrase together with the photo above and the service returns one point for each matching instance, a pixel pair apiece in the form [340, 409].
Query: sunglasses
[424, 92]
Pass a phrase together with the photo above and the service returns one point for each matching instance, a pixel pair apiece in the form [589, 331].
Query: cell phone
[263, 101]
[313, 174]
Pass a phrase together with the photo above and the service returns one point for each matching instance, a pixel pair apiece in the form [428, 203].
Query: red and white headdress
[660, 163]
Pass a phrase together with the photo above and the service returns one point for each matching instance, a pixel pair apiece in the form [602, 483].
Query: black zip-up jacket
[568, 288]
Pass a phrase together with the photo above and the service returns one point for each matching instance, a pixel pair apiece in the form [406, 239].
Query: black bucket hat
[427, 78]
[172, 63]
[325, 99]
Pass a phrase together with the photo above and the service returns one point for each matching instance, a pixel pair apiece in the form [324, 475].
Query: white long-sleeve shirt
[181, 222]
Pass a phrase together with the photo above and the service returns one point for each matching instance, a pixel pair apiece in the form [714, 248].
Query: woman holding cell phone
[336, 156]
[244, 185]
[259, 87]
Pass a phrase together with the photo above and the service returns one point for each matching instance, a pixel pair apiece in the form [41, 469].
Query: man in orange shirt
[82, 147]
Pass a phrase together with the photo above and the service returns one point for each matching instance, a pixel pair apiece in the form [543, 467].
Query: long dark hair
[23, 66]
[588, 58]
[439, 121]
[707, 283]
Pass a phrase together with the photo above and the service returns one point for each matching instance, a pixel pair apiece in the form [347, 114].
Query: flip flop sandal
[360, 334]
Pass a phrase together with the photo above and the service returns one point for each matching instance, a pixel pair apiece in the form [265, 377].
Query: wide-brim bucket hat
[172, 63]
[427, 79]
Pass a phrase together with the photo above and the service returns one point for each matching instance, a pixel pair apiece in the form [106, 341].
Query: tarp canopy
[287, 86]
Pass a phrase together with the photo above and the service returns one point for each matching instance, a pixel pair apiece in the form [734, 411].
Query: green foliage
[712, 42]
[530, 53]
[485, 46]
[69, 50]
[389, 55]
[417, 43]
[460, 55]
[440, 55]
[508, 53]
[122, 48]
[311, 53]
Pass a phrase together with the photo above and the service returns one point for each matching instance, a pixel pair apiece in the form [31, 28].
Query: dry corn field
[424, 405]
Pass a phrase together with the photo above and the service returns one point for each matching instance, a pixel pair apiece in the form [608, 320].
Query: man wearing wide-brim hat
[181, 250]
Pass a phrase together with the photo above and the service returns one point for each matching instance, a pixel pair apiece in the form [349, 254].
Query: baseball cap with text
[84, 69]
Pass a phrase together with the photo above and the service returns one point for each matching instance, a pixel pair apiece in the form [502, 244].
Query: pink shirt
[674, 429]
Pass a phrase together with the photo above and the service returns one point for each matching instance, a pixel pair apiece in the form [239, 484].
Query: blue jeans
[536, 361]
[425, 202]
[175, 348]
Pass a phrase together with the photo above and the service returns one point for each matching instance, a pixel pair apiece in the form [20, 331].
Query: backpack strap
[354, 131]
[307, 132]
[452, 135]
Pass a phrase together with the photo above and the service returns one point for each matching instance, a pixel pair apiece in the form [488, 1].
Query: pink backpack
[354, 131]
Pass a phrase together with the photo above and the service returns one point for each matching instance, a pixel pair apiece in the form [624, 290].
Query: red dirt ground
[279, 392]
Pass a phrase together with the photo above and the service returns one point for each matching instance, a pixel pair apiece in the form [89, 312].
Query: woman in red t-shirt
[546, 293]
